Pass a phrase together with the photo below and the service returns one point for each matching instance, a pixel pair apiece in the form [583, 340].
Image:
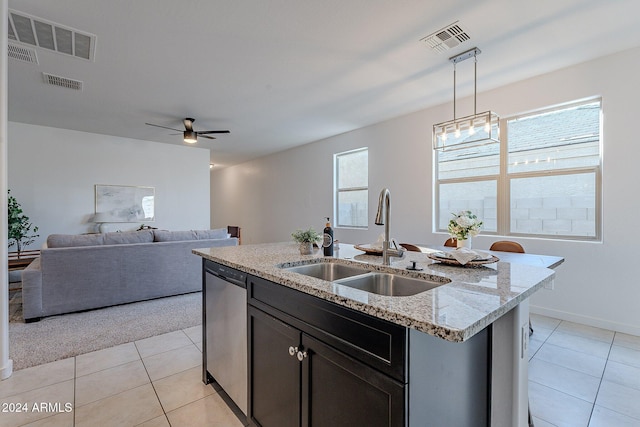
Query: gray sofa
[82, 272]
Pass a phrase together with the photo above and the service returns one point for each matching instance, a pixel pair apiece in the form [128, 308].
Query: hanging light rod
[465, 55]
[477, 129]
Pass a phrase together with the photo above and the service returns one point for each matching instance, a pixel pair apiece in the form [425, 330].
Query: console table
[15, 263]
[20, 263]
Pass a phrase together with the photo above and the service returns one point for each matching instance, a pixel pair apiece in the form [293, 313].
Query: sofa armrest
[32, 291]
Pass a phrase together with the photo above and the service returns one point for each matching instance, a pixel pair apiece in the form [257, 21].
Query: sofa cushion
[172, 236]
[217, 233]
[142, 236]
[72, 240]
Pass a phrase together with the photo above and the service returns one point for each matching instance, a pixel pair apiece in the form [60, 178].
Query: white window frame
[504, 179]
[338, 190]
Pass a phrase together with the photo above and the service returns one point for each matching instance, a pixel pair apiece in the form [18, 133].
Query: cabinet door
[274, 373]
[338, 390]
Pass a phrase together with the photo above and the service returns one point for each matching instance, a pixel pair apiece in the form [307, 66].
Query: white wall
[52, 173]
[597, 285]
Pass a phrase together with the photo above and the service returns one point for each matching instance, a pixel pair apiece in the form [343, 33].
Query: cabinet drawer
[376, 342]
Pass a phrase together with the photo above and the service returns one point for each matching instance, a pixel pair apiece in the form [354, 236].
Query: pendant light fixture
[477, 129]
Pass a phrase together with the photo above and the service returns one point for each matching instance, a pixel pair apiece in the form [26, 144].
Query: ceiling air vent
[446, 38]
[50, 79]
[21, 53]
[45, 34]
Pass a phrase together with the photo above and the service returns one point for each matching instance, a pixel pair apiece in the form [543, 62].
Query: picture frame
[124, 203]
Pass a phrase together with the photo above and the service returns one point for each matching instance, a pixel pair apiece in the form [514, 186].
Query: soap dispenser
[327, 241]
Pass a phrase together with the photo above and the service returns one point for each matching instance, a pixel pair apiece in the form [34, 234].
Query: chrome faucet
[382, 218]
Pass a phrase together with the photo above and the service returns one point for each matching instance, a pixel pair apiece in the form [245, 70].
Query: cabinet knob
[302, 355]
[293, 350]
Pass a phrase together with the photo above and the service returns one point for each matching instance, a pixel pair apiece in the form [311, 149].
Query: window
[352, 188]
[543, 179]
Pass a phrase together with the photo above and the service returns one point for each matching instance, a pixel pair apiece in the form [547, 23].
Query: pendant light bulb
[457, 132]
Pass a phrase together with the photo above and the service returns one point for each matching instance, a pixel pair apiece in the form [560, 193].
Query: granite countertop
[455, 311]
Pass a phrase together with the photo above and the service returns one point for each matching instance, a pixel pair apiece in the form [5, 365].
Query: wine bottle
[327, 241]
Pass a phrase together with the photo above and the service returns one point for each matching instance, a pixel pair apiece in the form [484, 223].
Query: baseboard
[586, 320]
[6, 370]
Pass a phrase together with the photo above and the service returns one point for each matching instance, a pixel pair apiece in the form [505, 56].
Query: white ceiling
[281, 73]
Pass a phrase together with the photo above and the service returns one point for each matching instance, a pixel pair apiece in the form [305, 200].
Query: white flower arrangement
[463, 225]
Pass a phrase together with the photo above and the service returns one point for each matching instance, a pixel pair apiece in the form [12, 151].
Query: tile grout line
[560, 391]
[601, 379]
[544, 341]
[149, 376]
[531, 358]
[152, 385]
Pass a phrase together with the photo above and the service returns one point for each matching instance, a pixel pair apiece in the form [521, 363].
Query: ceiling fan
[190, 135]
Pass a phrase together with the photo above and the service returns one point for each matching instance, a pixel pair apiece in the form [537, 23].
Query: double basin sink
[387, 284]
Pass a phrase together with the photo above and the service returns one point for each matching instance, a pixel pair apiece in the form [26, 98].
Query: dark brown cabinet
[314, 363]
[297, 380]
[274, 374]
[338, 390]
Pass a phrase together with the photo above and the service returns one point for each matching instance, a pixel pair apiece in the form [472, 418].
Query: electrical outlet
[550, 285]
[524, 334]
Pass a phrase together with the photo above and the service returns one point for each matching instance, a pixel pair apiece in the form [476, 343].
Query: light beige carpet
[58, 337]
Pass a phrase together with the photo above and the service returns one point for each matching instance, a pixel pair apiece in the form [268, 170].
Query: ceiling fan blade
[212, 131]
[206, 136]
[164, 127]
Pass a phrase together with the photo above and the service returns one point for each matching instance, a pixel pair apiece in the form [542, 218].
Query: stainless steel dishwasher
[225, 330]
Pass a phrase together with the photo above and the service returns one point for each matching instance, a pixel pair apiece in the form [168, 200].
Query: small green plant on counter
[306, 236]
[19, 227]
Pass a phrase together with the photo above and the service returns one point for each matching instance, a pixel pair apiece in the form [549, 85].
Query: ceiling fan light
[190, 137]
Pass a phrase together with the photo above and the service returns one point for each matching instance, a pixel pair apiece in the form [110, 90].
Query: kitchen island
[454, 354]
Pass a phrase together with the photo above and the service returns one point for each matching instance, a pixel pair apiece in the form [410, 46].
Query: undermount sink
[329, 271]
[392, 285]
[387, 284]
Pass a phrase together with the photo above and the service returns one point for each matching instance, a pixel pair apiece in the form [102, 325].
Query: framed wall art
[122, 203]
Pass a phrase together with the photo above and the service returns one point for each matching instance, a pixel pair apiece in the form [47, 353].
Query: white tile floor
[583, 376]
[151, 382]
[578, 376]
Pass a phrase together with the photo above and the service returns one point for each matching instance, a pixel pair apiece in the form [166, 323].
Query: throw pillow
[72, 240]
[218, 233]
[127, 237]
[172, 236]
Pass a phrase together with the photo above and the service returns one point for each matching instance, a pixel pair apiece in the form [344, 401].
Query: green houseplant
[306, 238]
[20, 229]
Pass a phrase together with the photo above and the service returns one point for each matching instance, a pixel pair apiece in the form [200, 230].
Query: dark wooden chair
[507, 246]
[451, 242]
[234, 230]
[410, 247]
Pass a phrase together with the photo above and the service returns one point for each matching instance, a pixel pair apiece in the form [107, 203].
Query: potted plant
[19, 227]
[306, 238]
